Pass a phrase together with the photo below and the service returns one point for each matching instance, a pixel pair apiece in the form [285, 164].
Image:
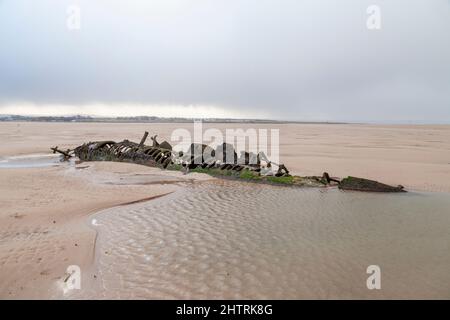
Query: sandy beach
[416, 156]
[45, 216]
[224, 150]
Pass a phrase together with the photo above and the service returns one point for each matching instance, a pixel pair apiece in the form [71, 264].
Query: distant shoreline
[169, 120]
[148, 119]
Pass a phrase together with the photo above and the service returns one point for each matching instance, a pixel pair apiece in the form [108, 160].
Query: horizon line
[156, 119]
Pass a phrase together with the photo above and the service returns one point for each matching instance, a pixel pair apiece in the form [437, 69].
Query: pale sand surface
[415, 156]
[43, 218]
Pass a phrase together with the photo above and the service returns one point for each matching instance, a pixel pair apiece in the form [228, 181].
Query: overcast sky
[280, 59]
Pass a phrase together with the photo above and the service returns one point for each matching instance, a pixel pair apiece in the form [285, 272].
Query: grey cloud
[289, 59]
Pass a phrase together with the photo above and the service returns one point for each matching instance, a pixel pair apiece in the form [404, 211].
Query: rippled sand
[44, 206]
[226, 239]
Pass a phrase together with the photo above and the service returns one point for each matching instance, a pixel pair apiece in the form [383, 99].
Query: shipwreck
[223, 161]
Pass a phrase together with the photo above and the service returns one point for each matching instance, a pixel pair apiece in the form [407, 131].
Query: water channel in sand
[226, 239]
[30, 161]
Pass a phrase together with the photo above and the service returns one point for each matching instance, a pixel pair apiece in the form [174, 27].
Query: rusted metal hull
[161, 155]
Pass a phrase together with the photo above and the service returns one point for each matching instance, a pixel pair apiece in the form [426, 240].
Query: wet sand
[233, 240]
[44, 214]
[47, 210]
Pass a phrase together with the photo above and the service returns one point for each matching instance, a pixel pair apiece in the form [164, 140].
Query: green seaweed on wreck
[249, 175]
[281, 180]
